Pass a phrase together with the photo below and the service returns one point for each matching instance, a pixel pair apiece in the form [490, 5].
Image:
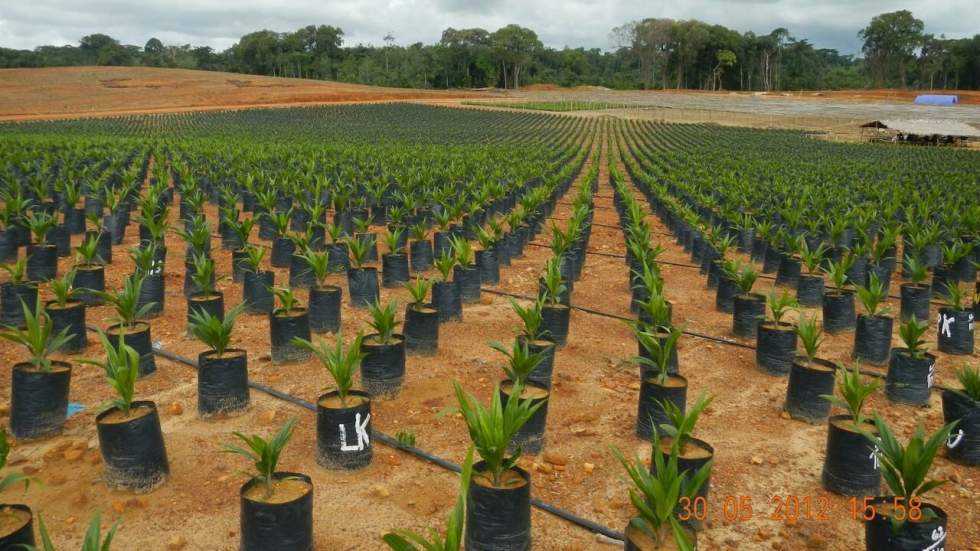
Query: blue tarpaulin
[936, 99]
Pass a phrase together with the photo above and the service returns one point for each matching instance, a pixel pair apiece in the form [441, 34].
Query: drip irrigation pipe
[868, 372]
[394, 443]
[622, 318]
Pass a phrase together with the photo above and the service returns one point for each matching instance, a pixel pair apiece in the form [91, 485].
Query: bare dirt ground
[69, 92]
[759, 453]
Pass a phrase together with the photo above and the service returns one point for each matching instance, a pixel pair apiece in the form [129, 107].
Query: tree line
[654, 53]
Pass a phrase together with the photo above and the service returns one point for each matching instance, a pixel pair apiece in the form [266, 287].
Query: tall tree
[515, 47]
[890, 41]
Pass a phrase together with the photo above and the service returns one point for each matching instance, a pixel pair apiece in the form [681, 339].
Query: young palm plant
[445, 264]
[854, 391]
[214, 331]
[126, 302]
[872, 295]
[383, 321]
[906, 469]
[93, 540]
[403, 540]
[655, 496]
[531, 319]
[680, 426]
[37, 337]
[419, 289]
[264, 454]
[121, 368]
[493, 428]
[521, 361]
[10, 479]
[553, 285]
[659, 348]
[810, 334]
[341, 362]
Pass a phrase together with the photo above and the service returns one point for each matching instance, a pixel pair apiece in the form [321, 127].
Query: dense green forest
[652, 53]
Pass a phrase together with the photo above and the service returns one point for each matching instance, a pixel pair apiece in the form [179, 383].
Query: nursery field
[757, 269]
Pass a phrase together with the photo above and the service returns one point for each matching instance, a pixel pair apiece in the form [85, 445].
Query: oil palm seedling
[776, 339]
[222, 375]
[534, 335]
[955, 330]
[655, 495]
[288, 321]
[101, 235]
[910, 369]
[276, 509]
[344, 414]
[197, 235]
[130, 438]
[487, 261]
[556, 315]
[872, 340]
[421, 319]
[67, 311]
[810, 286]
[148, 264]
[962, 405]
[257, 282]
[654, 322]
[748, 308]
[952, 254]
[420, 247]
[92, 541]
[404, 540]
[324, 298]
[282, 245]
[394, 263]
[239, 236]
[904, 521]
[838, 303]
[498, 508]
[42, 257]
[521, 363]
[19, 519]
[362, 227]
[129, 310]
[39, 387]
[810, 376]
[465, 273]
[337, 248]
[89, 269]
[657, 383]
[445, 293]
[71, 195]
[851, 466]
[383, 365]
[362, 281]
[728, 285]
[203, 294]
[677, 437]
[915, 294]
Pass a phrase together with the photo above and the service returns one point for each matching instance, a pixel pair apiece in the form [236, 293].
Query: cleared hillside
[93, 91]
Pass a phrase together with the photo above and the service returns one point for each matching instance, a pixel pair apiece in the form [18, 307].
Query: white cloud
[219, 23]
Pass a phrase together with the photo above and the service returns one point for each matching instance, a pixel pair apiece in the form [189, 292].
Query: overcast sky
[219, 23]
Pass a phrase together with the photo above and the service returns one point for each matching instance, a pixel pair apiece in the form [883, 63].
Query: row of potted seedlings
[130, 435]
[856, 451]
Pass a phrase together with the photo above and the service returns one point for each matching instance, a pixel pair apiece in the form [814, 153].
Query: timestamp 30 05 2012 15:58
[790, 509]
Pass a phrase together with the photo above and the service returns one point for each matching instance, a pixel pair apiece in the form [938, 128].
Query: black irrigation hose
[869, 372]
[394, 443]
[622, 318]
